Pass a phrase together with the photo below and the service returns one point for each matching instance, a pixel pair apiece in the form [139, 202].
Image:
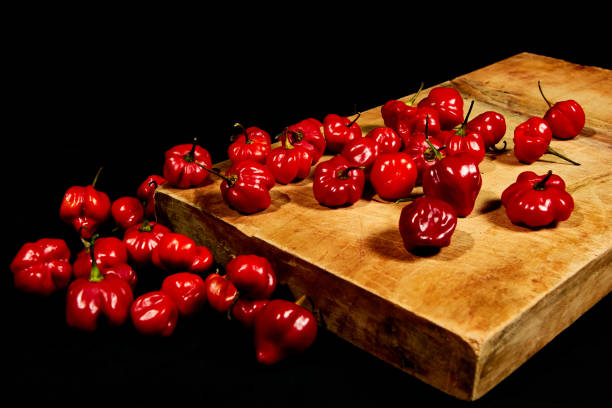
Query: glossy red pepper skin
[42, 267]
[415, 121]
[245, 310]
[141, 239]
[362, 152]
[146, 192]
[537, 200]
[461, 140]
[282, 328]
[393, 175]
[175, 252]
[203, 260]
[309, 135]
[565, 118]
[421, 153]
[220, 292]
[456, 180]
[122, 271]
[246, 187]
[187, 290]
[252, 144]
[339, 130]
[127, 211]
[289, 163]
[85, 208]
[449, 104]
[336, 182]
[183, 163]
[490, 125]
[532, 140]
[427, 223]
[252, 275]
[154, 314]
[393, 108]
[111, 258]
[387, 139]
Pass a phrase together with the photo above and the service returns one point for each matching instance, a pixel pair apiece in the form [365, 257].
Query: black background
[116, 88]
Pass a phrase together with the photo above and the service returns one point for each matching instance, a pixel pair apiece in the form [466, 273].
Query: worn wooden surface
[465, 318]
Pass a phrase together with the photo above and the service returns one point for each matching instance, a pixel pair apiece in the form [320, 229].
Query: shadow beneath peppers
[587, 132]
[461, 243]
[499, 217]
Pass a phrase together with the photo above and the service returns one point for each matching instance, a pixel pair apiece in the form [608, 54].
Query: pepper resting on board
[183, 165]
[362, 152]
[309, 135]
[154, 314]
[461, 140]
[532, 140]
[338, 182]
[387, 139]
[392, 109]
[393, 175]
[246, 187]
[289, 162]
[565, 118]
[491, 126]
[537, 200]
[421, 152]
[417, 121]
[339, 130]
[427, 223]
[449, 104]
[42, 267]
[252, 144]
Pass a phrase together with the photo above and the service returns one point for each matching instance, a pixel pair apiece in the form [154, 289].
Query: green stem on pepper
[343, 174]
[95, 275]
[542, 93]
[436, 152]
[556, 153]
[95, 180]
[246, 134]
[354, 120]
[541, 185]
[413, 99]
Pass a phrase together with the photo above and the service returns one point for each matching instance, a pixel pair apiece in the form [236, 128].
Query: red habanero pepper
[90, 298]
[565, 118]
[289, 162]
[127, 211]
[252, 275]
[141, 239]
[184, 165]
[427, 223]
[252, 144]
[387, 139]
[338, 182]
[422, 153]
[309, 135]
[362, 152]
[111, 257]
[339, 130]
[85, 208]
[460, 140]
[246, 187]
[449, 104]
[175, 252]
[393, 175]
[187, 290]
[417, 121]
[532, 140]
[282, 328]
[203, 260]
[491, 126]
[42, 267]
[154, 314]
[391, 110]
[245, 310]
[536, 200]
[221, 292]
[146, 192]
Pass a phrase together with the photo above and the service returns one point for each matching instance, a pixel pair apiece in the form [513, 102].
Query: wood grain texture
[465, 318]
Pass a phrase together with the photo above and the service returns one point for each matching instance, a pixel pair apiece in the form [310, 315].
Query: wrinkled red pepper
[220, 292]
[111, 257]
[338, 182]
[85, 208]
[141, 239]
[127, 211]
[187, 290]
[532, 140]
[393, 175]
[146, 192]
[174, 253]
[565, 118]
[154, 314]
[427, 223]
[339, 130]
[252, 275]
[537, 200]
[308, 133]
[421, 153]
[491, 126]
[282, 328]
[449, 104]
[184, 165]
[393, 108]
[289, 162]
[252, 144]
[417, 121]
[246, 187]
[387, 139]
[461, 140]
[42, 267]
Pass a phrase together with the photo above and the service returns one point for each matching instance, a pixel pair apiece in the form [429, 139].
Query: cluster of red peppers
[101, 282]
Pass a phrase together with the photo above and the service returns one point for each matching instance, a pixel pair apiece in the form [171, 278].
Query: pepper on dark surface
[127, 211]
[141, 239]
[184, 165]
[146, 192]
[252, 275]
[187, 290]
[154, 314]
[174, 252]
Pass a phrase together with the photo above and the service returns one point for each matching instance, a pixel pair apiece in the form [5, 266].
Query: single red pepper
[427, 223]
[111, 257]
[532, 140]
[141, 239]
[338, 182]
[454, 179]
[220, 292]
[362, 152]
[537, 200]
[245, 310]
[146, 192]
[449, 104]
[392, 109]
[308, 134]
[422, 153]
[187, 290]
[85, 208]
[282, 328]
[252, 144]
[127, 211]
[154, 314]
[491, 126]
[289, 162]
[175, 252]
[203, 260]
[184, 165]
[42, 267]
[461, 140]
[393, 175]
[339, 130]
[252, 275]
[565, 118]
[246, 187]
[91, 298]
[122, 271]
[387, 139]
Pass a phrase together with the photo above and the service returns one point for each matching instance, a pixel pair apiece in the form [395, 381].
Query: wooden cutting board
[463, 319]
